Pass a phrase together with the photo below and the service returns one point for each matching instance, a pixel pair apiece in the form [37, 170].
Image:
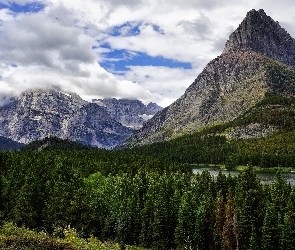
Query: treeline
[55, 143]
[199, 148]
[133, 199]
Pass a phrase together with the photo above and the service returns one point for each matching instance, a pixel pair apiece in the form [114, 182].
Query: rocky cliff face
[254, 62]
[260, 33]
[130, 113]
[38, 114]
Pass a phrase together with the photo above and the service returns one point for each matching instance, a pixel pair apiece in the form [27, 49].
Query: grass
[13, 237]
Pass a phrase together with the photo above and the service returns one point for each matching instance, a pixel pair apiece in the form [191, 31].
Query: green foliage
[280, 77]
[136, 198]
[270, 233]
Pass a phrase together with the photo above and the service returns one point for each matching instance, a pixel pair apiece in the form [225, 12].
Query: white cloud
[167, 84]
[35, 39]
[99, 84]
[54, 46]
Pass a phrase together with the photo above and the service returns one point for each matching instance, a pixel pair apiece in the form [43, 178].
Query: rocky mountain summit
[258, 58]
[130, 113]
[37, 114]
[260, 33]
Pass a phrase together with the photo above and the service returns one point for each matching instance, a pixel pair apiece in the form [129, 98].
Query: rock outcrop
[258, 58]
[253, 130]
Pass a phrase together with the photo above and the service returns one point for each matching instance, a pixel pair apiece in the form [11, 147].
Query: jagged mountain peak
[129, 112]
[260, 33]
[258, 59]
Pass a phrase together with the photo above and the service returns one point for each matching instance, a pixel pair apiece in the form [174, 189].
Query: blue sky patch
[119, 60]
[132, 29]
[158, 29]
[32, 7]
[127, 29]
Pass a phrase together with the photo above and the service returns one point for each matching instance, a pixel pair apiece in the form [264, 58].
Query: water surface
[265, 177]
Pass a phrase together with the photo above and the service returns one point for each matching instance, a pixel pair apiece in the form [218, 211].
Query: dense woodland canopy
[134, 198]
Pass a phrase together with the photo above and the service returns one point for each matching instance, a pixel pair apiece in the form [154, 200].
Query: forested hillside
[135, 199]
[217, 144]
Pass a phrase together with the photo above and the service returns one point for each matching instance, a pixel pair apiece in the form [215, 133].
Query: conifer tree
[185, 230]
[249, 204]
[287, 239]
[254, 241]
[230, 228]
[220, 220]
[270, 234]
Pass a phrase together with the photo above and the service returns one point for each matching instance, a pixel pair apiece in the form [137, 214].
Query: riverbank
[242, 168]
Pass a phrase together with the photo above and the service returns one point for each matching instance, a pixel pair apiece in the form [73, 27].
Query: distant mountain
[37, 114]
[258, 59]
[8, 144]
[54, 143]
[130, 113]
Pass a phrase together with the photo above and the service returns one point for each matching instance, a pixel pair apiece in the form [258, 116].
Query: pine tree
[220, 220]
[230, 230]
[249, 204]
[280, 192]
[287, 239]
[270, 234]
[254, 241]
[185, 230]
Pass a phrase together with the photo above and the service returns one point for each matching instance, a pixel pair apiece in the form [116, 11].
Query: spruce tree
[287, 240]
[220, 220]
[270, 234]
[230, 230]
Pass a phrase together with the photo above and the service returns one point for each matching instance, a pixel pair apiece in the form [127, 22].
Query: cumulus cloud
[64, 44]
[200, 28]
[166, 84]
[35, 39]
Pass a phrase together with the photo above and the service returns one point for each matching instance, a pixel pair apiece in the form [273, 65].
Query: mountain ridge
[37, 114]
[230, 84]
[40, 113]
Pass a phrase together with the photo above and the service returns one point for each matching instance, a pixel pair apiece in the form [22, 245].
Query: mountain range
[37, 114]
[247, 91]
[258, 60]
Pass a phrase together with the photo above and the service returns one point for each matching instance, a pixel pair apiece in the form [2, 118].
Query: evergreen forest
[145, 198]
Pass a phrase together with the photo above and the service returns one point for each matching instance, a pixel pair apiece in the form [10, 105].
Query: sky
[150, 50]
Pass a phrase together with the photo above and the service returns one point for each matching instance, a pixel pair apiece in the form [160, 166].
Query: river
[265, 177]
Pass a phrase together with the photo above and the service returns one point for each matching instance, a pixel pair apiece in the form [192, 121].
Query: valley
[99, 176]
